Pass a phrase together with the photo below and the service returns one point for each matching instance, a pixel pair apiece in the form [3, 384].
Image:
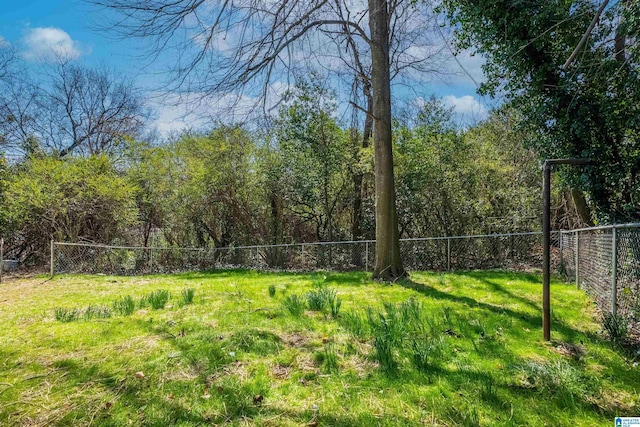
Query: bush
[272, 291]
[124, 306]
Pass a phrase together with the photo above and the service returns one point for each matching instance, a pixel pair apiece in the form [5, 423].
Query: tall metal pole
[366, 256]
[546, 256]
[546, 238]
[614, 272]
[576, 249]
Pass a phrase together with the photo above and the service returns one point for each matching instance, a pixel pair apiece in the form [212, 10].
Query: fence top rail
[102, 246]
[285, 245]
[604, 227]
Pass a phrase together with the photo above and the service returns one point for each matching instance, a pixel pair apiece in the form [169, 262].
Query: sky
[39, 29]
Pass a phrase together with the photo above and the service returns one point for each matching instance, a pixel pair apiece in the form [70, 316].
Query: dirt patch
[188, 374]
[615, 402]
[281, 372]
[360, 366]
[294, 340]
[572, 351]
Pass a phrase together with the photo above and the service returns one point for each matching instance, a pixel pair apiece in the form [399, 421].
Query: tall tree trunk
[388, 264]
[582, 207]
[358, 177]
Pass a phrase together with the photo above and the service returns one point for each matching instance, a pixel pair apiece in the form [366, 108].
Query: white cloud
[177, 113]
[466, 105]
[49, 43]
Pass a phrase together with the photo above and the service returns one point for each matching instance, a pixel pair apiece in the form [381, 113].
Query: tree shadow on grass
[535, 321]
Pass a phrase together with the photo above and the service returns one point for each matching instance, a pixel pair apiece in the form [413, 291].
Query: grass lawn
[440, 349]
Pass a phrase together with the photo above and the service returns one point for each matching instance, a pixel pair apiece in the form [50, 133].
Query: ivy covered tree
[571, 68]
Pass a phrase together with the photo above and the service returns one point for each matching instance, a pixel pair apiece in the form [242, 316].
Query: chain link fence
[605, 262]
[517, 251]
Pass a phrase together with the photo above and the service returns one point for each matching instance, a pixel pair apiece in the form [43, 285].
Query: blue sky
[38, 27]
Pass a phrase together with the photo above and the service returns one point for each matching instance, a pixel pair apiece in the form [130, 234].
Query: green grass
[440, 349]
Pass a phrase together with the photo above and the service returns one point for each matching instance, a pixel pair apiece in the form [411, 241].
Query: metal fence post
[614, 271]
[448, 254]
[51, 260]
[366, 256]
[576, 254]
[561, 253]
[1, 258]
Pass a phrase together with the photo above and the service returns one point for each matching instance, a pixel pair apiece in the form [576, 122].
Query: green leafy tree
[453, 182]
[215, 201]
[315, 154]
[79, 199]
[585, 107]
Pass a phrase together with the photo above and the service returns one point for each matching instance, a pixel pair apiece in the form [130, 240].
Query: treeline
[305, 177]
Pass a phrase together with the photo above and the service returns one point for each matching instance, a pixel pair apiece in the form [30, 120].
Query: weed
[354, 324]
[335, 302]
[97, 311]
[272, 291]
[421, 354]
[427, 353]
[330, 363]
[319, 299]
[617, 327]
[294, 304]
[468, 417]
[62, 314]
[124, 306]
[255, 341]
[383, 345]
[411, 314]
[156, 299]
[387, 323]
[187, 295]
[489, 391]
[557, 377]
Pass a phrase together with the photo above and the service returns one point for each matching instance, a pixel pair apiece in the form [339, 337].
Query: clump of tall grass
[355, 324]
[328, 359]
[62, 314]
[156, 299]
[124, 306]
[557, 377]
[97, 312]
[324, 299]
[272, 291]
[335, 302]
[187, 295]
[616, 327]
[294, 304]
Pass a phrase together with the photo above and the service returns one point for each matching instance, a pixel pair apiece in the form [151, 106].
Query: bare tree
[89, 110]
[224, 45]
[69, 109]
[19, 100]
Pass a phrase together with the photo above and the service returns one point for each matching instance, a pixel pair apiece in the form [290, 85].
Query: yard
[248, 348]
